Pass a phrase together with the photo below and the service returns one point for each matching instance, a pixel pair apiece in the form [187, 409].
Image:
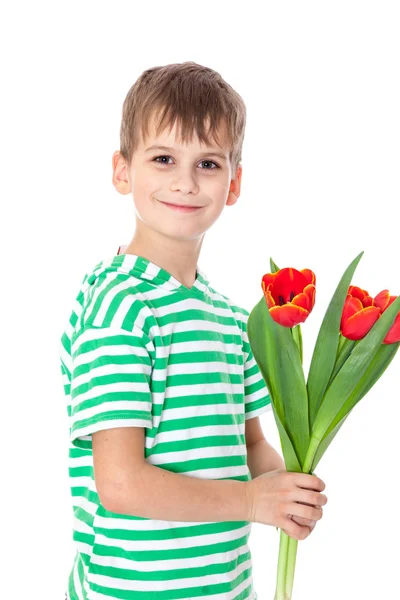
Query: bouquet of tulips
[358, 338]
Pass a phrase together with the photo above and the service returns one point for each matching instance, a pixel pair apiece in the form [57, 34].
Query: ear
[120, 177]
[234, 188]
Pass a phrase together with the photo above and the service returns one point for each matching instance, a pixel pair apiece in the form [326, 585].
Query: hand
[302, 520]
[289, 501]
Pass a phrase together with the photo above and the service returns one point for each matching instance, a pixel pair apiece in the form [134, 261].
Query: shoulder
[112, 299]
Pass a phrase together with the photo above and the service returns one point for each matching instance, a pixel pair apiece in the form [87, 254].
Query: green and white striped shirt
[142, 350]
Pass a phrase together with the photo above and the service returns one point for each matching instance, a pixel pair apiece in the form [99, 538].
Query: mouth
[181, 207]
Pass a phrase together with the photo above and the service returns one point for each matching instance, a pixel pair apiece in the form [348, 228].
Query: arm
[262, 457]
[127, 484]
[173, 497]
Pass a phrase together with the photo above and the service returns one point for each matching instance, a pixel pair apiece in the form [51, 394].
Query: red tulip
[383, 300]
[359, 314]
[290, 295]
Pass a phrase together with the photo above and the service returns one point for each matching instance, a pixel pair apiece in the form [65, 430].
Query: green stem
[342, 341]
[312, 449]
[290, 567]
[346, 347]
[296, 333]
[280, 592]
[288, 545]
[286, 567]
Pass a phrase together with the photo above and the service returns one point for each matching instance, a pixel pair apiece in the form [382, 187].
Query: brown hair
[189, 93]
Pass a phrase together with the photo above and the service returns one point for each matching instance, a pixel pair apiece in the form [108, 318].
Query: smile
[181, 208]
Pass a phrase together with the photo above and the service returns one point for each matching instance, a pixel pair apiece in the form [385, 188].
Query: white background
[320, 184]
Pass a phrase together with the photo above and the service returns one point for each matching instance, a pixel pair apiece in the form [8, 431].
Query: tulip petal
[288, 315]
[268, 297]
[393, 335]
[267, 279]
[368, 301]
[357, 326]
[288, 283]
[301, 300]
[357, 292]
[351, 306]
[305, 299]
[309, 275]
[309, 290]
[382, 299]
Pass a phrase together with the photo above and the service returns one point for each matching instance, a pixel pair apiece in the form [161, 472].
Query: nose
[184, 181]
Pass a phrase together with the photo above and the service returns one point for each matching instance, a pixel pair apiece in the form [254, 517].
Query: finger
[299, 532]
[307, 497]
[307, 522]
[311, 482]
[301, 510]
[304, 521]
[311, 527]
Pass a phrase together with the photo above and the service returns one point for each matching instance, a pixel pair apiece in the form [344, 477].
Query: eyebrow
[208, 151]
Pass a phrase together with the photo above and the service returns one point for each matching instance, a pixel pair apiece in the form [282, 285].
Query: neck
[177, 257]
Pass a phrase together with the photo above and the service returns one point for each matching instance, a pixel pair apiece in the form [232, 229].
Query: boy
[168, 463]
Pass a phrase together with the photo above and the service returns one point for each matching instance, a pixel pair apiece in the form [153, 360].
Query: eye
[210, 161]
[203, 161]
[163, 156]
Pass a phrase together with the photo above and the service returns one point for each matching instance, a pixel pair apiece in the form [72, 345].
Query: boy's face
[187, 175]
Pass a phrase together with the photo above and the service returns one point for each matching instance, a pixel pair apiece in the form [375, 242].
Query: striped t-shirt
[142, 350]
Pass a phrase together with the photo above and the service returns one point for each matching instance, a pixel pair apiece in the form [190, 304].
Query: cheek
[144, 191]
[222, 184]
[218, 191]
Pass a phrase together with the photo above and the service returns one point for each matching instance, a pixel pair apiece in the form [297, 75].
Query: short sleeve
[257, 398]
[110, 380]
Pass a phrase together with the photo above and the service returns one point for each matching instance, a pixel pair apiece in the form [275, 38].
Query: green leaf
[296, 332]
[278, 358]
[289, 454]
[375, 370]
[345, 349]
[264, 351]
[324, 355]
[337, 399]
[322, 447]
[274, 267]
[342, 342]
[377, 367]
